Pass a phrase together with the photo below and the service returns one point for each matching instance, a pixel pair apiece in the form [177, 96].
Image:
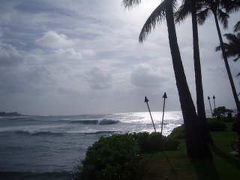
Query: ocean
[54, 145]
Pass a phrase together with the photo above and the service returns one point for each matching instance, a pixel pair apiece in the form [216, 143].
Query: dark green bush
[111, 158]
[227, 119]
[178, 133]
[222, 111]
[155, 142]
[117, 157]
[215, 125]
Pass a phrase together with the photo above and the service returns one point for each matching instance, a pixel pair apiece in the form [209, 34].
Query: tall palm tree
[196, 144]
[232, 47]
[214, 6]
[190, 7]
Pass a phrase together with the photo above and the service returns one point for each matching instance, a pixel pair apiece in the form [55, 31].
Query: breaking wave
[49, 133]
[99, 122]
[39, 133]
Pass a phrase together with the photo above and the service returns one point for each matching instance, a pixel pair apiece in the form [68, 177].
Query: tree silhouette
[216, 7]
[196, 144]
[191, 7]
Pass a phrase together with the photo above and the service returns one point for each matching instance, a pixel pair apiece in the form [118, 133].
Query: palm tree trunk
[198, 77]
[226, 63]
[196, 146]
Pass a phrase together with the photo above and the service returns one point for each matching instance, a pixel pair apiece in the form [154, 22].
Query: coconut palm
[215, 6]
[190, 7]
[196, 144]
[232, 47]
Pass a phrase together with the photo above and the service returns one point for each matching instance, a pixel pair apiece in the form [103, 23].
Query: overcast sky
[83, 56]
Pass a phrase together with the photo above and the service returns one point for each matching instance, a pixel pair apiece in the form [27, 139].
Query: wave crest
[40, 133]
[99, 122]
[50, 133]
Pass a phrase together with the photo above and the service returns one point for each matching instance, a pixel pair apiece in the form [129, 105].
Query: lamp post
[164, 101]
[146, 101]
[214, 102]
[210, 105]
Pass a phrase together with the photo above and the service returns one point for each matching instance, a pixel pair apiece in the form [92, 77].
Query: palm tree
[196, 144]
[214, 6]
[233, 46]
[190, 7]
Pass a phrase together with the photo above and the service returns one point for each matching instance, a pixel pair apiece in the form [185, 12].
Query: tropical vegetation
[117, 157]
[197, 146]
[147, 156]
[200, 10]
[122, 156]
[220, 10]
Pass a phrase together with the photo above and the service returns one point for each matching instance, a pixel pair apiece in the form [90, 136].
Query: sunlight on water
[171, 120]
[38, 142]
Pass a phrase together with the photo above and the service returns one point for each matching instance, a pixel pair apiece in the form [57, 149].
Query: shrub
[178, 133]
[215, 125]
[111, 158]
[117, 157]
[222, 111]
[154, 142]
[227, 119]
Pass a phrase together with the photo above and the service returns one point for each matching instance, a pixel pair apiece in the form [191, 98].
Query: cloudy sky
[83, 56]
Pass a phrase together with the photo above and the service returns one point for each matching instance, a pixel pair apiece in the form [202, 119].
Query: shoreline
[18, 175]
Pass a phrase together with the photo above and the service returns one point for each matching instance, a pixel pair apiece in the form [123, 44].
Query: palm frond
[223, 17]
[237, 27]
[202, 15]
[218, 48]
[232, 38]
[237, 58]
[130, 3]
[157, 16]
[238, 35]
[233, 46]
[230, 6]
[183, 11]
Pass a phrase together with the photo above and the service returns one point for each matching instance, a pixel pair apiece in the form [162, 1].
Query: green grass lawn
[174, 165]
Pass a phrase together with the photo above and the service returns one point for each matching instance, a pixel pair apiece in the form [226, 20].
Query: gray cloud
[9, 56]
[63, 59]
[99, 79]
[146, 77]
[52, 39]
[30, 81]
